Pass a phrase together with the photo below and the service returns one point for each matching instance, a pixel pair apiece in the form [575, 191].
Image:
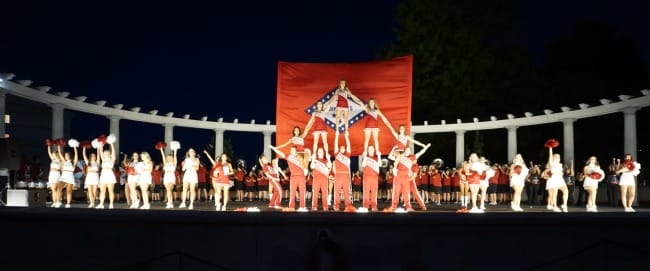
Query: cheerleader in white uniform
[555, 183]
[169, 176]
[629, 169]
[106, 176]
[55, 174]
[133, 170]
[92, 175]
[518, 175]
[146, 166]
[190, 178]
[485, 183]
[473, 170]
[67, 173]
[593, 175]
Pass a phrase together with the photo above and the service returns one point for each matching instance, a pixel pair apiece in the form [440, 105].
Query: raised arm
[60, 152]
[422, 151]
[550, 157]
[416, 142]
[277, 151]
[75, 157]
[83, 154]
[336, 143]
[284, 144]
[310, 123]
[386, 122]
[113, 155]
[348, 149]
[210, 157]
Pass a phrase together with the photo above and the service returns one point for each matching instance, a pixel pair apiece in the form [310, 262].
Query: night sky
[216, 57]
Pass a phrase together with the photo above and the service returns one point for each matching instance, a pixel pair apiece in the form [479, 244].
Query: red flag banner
[301, 85]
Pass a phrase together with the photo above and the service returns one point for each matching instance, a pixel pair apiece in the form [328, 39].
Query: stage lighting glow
[401, 210]
[362, 210]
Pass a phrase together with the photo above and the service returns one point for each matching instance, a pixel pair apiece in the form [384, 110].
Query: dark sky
[219, 57]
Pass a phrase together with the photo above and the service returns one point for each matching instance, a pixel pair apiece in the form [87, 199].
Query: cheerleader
[298, 140]
[555, 182]
[403, 140]
[484, 183]
[321, 167]
[473, 170]
[413, 174]
[593, 175]
[317, 121]
[629, 169]
[341, 170]
[189, 166]
[297, 178]
[67, 173]
[169, 175]
[341, 94]
[145, 180]
[107, 178]
[402, 170]
[518, 174]
[221, 173]
[55, 173]
[133, 170]
[92, 174]
[372, 124]
[463, 187]
[370, 162]
[273, 172]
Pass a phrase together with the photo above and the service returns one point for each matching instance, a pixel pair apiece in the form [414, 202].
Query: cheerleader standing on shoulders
[55, 173]
[629, 170]
[593, 175]
[317, 121]
[370, 163]
[372, 124]
[341, 95]
[190, 166]
[298, 139]
[221, 172]
[518, 174]
[145, 179]
[67, 172]
[272, 171]
[92, 174]
[556, 182]
[321, 167]
[107, 178]
[169, 175]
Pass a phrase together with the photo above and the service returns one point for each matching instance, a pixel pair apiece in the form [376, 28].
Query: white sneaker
[67, 206]
[100, 206]
[482, 207]
[565, 209]
[91, 205]
[169, 206]
[223, 208]
[110, 206]
[182, 205]
[145, 207]
[518, 209]
[549, 207]
[475, 210]
[191, 206]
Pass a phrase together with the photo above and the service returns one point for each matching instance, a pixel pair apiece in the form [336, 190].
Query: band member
[92, 175]
[593, 175]
[221, 172]
[146, 178]
[555, 182]
[133, 170]
[273, 172]
[372, 124]
[55, 172]
[189, 166]
[321, 167]
[107, 179]
[370, 162]
[473, 170]
[297, 178]
[298, 140]
[169, 175]
[341, 95]
[629, 170]
[341, 170]
[240, 174]
[518, 174]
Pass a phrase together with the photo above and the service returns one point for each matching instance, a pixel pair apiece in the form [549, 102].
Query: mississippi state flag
[301, 85]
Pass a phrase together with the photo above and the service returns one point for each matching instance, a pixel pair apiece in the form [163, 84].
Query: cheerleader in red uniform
[320, 169]
[297, 178]
[341, 96]
[372, 124]
[473, 170]
[221, 173]
[317, 121]
[593, 175]
[403, 140]
[402, 170]
[298, 141]
[370, 162]
[273, 173]
[629, 169]
[341, 170]
[414, 172]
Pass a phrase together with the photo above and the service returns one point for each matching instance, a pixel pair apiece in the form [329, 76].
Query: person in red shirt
[202, 174]
[436, 182]
[455, 185]
[309, 185]
[356, 186]
[273, 173]
[249, 184]
[297, 178]
[156, 178]
[284, 183]
[426, 187]
[493, 184]
[446, 185]
[262, 186]
[370, 163]
[503, 189]
[320, 170]
[239, 182]
[221, 173]
[341, 170]
[389, 182]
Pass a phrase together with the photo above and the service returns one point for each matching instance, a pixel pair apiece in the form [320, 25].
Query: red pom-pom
[595, 175]
[85, 144]
[161, 145]
[629, 165]
[518, 169]
[102, 139]
[483, 175]
[61, 142]
[552, 143]
[131, 171]
[49, 142]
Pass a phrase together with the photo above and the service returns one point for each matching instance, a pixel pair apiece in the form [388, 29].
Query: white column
[629, 131]
[460, 147]
[267, 142]
[57, 120]
[169, 134]
[114, 128]
[3, 130]
[218, 142]
[512, 142]
[412, 146]
[568, 140]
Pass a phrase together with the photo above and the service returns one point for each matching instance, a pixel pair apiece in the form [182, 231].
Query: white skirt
[107, 177]
[132, 179]
[517, 179]
[556, 181]
[92, 178]
[589, 182]
[67, 177]
[53, 178]
[190, 177]
[627, 178]
[169, 178]
[145, 179]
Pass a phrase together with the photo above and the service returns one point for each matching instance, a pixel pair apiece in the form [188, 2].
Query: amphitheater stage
[203, 239]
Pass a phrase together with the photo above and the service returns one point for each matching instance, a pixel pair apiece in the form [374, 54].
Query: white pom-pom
[95, 143]
[110, 139]
[174, 145]
[73, 143]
